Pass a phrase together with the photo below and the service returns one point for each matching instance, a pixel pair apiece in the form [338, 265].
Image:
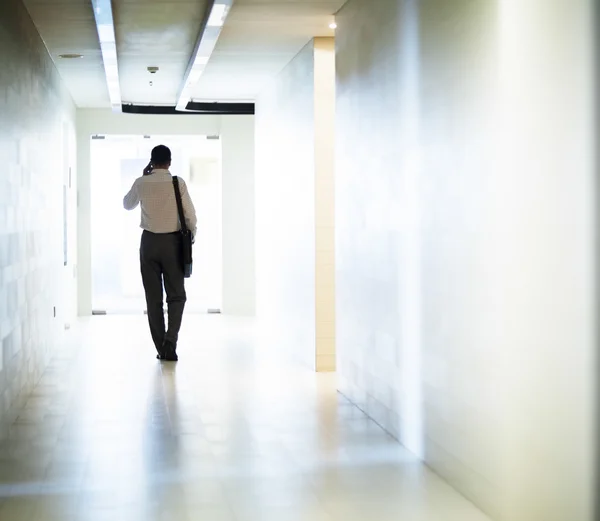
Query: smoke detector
[152, 70]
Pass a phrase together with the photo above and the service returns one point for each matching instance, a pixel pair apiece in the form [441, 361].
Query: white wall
[295, 195]
[285, 207]
[464, 229]
[237, 133]
[37, 146]
[239, 283]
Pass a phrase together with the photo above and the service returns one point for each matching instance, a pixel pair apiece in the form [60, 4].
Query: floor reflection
[230, 433]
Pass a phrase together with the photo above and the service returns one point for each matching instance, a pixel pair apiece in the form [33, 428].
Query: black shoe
[169, 351]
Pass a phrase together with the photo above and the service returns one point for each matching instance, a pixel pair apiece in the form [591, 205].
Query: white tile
[230, 433]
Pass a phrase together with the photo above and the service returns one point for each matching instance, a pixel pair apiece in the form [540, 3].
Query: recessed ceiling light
[200, 60]
[333, 25]
[70, 56]
[105, 26]
[218, 15]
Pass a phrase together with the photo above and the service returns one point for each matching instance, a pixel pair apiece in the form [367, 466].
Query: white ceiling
[68, 26]
[259, 38]
[159, 33]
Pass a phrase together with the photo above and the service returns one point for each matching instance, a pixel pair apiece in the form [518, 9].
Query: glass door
[115, 233]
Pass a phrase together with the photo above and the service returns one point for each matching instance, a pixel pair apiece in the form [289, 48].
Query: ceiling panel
[68, 27]
[155, 33]
[259, 39]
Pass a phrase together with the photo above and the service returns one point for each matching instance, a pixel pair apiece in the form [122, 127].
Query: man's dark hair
[161, 155]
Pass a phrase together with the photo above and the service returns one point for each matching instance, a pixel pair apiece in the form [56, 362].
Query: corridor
[232, 432]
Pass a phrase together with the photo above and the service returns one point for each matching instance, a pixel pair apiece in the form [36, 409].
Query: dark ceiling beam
[193, 108]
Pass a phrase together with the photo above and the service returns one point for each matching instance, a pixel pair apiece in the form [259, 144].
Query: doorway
[116, 161]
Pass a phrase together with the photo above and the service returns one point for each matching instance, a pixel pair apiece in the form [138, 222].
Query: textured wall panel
[295, 205]
[285, 205]
[464, 184]
[36, 129]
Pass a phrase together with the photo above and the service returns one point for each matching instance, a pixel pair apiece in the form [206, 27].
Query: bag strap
[179, 205]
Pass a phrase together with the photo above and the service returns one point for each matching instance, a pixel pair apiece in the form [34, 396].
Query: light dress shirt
[156, 195]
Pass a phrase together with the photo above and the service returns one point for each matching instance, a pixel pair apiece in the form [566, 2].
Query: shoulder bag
[186, 235]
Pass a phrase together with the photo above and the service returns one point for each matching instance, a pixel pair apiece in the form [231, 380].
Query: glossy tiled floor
[231, 433]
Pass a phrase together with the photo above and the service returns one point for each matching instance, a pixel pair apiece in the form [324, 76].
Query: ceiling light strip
[108, 45]
[204, 49]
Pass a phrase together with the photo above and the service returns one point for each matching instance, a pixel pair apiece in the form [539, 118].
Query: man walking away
[161, 247]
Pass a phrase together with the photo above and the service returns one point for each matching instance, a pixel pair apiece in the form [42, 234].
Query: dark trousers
[160, 259]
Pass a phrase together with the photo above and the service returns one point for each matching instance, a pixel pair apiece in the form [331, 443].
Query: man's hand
[148, 169]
